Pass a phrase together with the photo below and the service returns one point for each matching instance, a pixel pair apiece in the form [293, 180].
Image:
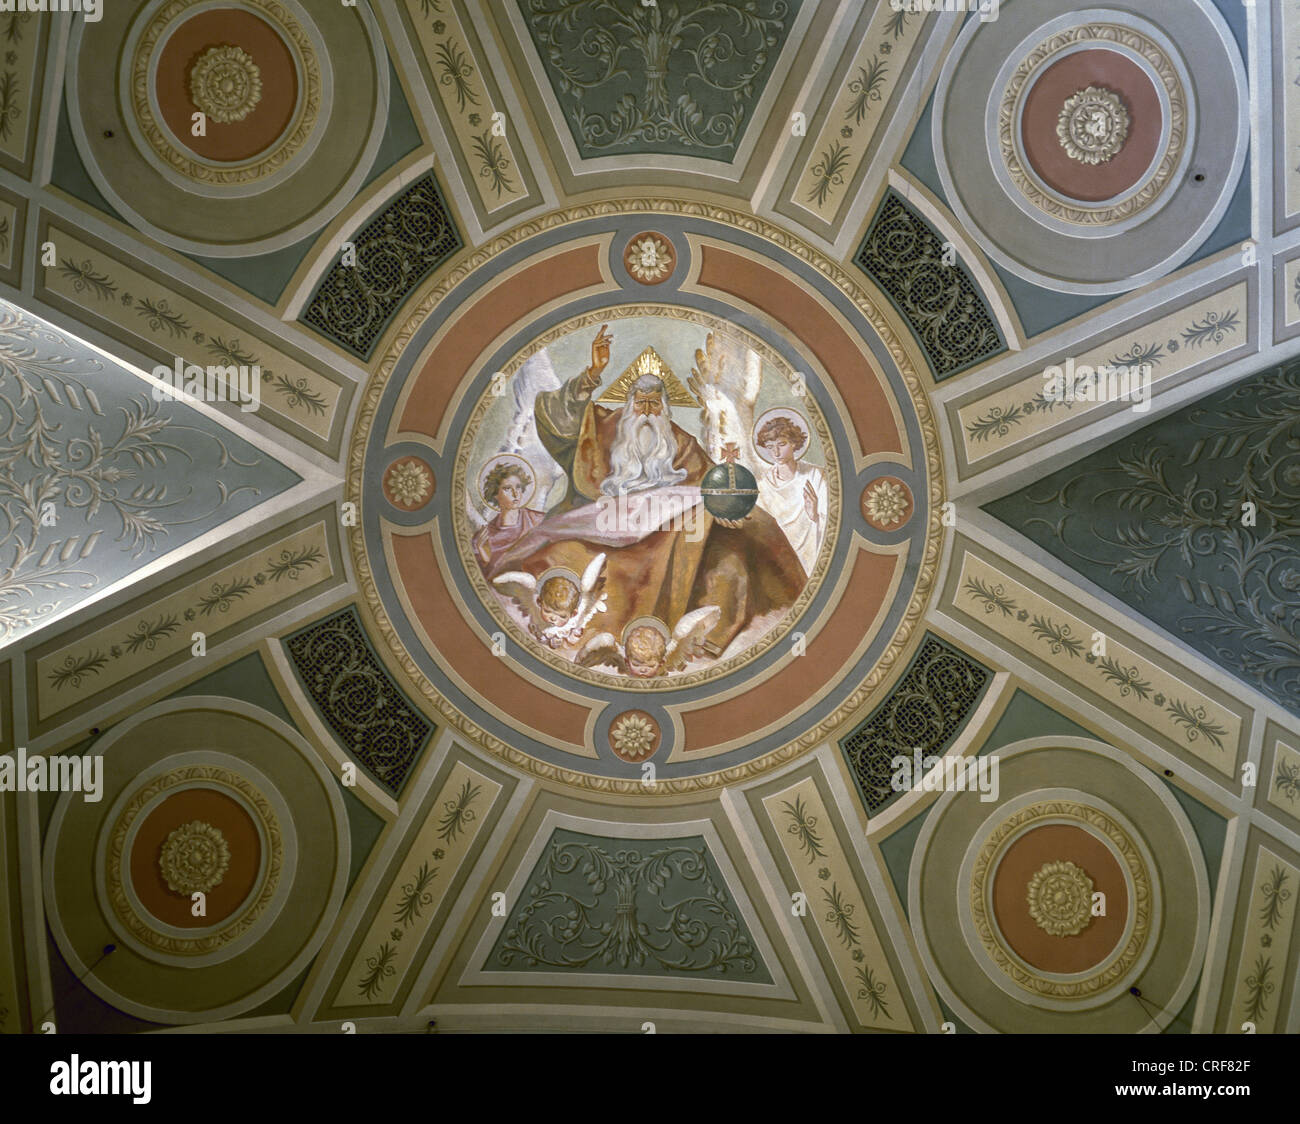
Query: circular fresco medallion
[645, 498]
[587, 502]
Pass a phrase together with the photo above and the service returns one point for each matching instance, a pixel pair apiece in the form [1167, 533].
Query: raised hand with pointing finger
[599, 361]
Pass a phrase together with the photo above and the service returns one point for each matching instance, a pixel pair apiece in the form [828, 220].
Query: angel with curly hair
[506, 487]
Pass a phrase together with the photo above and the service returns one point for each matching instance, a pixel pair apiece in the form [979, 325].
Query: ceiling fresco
[578, 515]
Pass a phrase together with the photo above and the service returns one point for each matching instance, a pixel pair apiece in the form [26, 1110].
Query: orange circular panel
[1062, 80]
[409, 483]
[635, 736]
[887, 503]
[232, 141]
[1025, 857]
[236, 826]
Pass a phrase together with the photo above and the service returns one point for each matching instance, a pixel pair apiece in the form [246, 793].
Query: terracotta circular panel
[1111, 201]
[1002, 965]
[571, 554]
[237, 771]
[1108, 70]
[1025, 857]
[232, 141]
[269, 76]
[635, 736]
[236, 826]
[887, 503]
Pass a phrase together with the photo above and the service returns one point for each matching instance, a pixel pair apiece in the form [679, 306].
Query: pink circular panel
[1091, 183]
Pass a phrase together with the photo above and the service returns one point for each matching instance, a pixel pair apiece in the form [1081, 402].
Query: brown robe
[491, 540]
[745, 571]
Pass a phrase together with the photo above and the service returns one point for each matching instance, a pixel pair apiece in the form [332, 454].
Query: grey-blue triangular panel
[1194, 521]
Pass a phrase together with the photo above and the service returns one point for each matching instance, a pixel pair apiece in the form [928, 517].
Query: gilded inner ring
[142, 107]
[1083, 985]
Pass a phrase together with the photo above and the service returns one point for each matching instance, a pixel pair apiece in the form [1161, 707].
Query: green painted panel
[644, 907]
[676, 77]
[1194, 520]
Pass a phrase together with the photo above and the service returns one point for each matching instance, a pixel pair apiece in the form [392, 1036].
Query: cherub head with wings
[558, 604]
[649, 648]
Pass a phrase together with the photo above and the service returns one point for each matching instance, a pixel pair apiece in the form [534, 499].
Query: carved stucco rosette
[634, 735]
[409, 483]
[885, 503]
[649, 258]
[226, 83]
[1093, 125]
[194, 858]
[1060, 899]
[1112, 970]
[1161, 72]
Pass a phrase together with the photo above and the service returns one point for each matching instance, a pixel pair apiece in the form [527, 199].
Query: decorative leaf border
[306, 399]
[1192, 719]
[1213, 328]
[803, 827]
[838, 920]
[1286, 780]
[438, 850]
[160, 317]
[1266, 943]
[858, 107]
[12, 108]
[465, 98]
[144, 633]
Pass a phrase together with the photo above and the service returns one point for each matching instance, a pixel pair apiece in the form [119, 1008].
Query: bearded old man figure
[634, 494]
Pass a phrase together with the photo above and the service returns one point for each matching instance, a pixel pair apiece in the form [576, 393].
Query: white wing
[726, 382]
[521, 588]
[593, 592]
[688, 636]
[591, 575]
[603, 648]
[591, 601]
[534, 376]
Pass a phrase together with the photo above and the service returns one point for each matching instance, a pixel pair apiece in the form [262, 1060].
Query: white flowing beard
[642, 454]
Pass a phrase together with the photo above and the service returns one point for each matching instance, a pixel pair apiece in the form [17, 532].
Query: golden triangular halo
[650, 362]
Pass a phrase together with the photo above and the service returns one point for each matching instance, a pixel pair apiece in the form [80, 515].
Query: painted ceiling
[912, 697]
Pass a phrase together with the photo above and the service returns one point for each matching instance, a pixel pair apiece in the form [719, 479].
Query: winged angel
[559, 605]
[543, 479]
[648, 649]
[792, 491]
